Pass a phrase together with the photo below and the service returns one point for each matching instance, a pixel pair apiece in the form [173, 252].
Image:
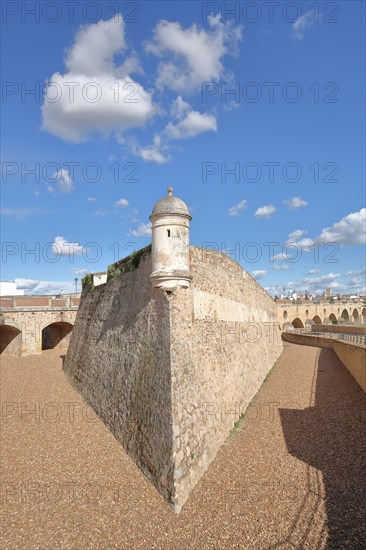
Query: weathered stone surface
[170, 373]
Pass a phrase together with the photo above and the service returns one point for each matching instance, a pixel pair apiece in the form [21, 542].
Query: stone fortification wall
[225, 338]
[119, 360]
[170, 372]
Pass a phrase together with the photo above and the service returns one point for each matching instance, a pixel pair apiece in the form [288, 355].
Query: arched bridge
[29, 324]
[303, 313]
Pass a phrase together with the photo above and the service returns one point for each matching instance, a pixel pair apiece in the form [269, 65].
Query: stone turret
[170, 243]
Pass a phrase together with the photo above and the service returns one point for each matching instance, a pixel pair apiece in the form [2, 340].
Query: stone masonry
[170, 373]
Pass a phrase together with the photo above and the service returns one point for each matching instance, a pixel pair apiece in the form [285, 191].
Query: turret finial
[170, 190]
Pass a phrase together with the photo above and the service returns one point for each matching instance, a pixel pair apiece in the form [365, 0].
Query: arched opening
[324, 312]
[364, 315]
[307, 314]
[333, 318]
[285, 314]
[297, 323]
[345, 315]
[10, 340]
[317, 320]
[356, 317]
[56, 334]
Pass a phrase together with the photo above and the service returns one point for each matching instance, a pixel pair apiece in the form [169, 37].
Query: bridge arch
[355, 315]
[333, 318]
[317, 320]
[10, 340]
[297, 323]
[345, 315]
[56, 334]
[363, 315]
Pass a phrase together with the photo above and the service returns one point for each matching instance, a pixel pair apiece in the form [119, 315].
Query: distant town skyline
[255, 120]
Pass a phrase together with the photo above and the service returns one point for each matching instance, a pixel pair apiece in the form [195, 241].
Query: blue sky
[129, 103]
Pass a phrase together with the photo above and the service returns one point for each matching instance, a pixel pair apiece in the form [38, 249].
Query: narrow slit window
[168, 232]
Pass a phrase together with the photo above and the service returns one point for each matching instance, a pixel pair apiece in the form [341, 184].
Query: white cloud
[100, 213]
[62, 247]
[37, 287]
[189, 124]
[91, 199]
[295, 235]
[122, 202]
[303, 22]
[64, 181]
[192, 125]
[81, 272]
[280, 267]
[259, 274]
[156, 152]
[295, 202]
[143, 230]
[235, 210]
[314, 271]
[349, 230]
[95, 95]
[194, 54]
[281, 256]
[265, 211]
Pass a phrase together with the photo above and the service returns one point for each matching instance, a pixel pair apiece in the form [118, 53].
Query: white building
[10, 289]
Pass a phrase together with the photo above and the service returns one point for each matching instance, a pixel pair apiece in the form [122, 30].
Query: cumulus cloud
[62, 247]
[235, 210]
[192, 125]
[303, 22]
[295, 235]
[295, 202]
[95, 95]
[91, 199]
[194, 54]
[143, 230]
[349, 230]
[314, 272]
[188, 124]
[265, 211]
[259, 274]
[64, 180]
[122, 202]
[277, 267]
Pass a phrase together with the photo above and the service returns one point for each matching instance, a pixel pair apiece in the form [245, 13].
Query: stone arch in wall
[297, 323]
[307, 314]
[317, 320]
[324, 312]
[333, 318]
[56, 335]
[345, 315]
[356, 317]
[10, 340]
[285, 315]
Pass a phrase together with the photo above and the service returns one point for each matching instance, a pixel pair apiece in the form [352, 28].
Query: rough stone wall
[119, 360]
[170, 373]
[225, 338]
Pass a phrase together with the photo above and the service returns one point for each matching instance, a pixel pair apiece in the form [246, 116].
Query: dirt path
[291, 476]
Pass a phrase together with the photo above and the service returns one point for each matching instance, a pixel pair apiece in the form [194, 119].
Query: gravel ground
[291, 476]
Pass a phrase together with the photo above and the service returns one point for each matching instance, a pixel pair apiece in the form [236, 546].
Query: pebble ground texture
[292, 475]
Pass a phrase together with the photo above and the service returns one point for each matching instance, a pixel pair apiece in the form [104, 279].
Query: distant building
[10, 289]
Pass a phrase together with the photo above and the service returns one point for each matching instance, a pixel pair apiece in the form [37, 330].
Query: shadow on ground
[331, 437]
